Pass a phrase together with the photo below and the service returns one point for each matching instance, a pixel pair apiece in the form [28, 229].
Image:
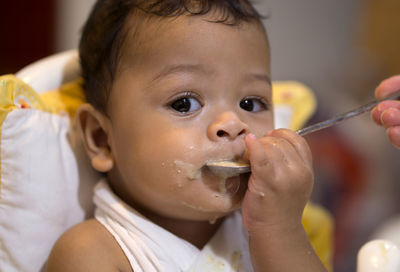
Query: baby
[171, 86]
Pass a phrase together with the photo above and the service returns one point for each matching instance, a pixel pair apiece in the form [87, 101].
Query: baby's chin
[194, 214]
[203, 195]
[208, 202]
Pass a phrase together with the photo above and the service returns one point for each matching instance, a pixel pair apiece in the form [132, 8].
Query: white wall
[70, 16]
[308, 37]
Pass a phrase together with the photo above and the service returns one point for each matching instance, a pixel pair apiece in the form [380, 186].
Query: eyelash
[264, 103]
[186, 95]
[185, 107]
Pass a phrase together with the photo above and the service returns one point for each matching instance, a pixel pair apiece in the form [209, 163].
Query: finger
[245, 156]
[376, 113]
[257, 154]
[259, 162]
[387, 87]
[285, 152]
[272, 154]
[271, 158]
[264, 155]
[394, 135]
[390, 117]
[298, 143]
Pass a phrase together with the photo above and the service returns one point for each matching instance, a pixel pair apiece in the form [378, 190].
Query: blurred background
[340, 49]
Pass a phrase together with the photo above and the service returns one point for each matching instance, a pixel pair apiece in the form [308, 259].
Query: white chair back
[51, 72]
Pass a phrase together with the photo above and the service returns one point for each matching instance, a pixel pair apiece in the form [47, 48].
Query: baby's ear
[94, 130]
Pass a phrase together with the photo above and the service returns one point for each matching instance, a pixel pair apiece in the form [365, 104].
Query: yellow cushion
[298, 98]
[318, 223]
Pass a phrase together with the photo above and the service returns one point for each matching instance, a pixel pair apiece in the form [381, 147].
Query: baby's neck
[197, 233]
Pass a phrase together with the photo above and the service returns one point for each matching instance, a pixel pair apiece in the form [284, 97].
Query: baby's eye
[186, 104]
[253, 104]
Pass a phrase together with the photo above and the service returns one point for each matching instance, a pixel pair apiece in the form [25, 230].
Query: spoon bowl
[227, 169]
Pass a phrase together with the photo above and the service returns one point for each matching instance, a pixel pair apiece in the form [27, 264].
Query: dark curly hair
[103, 34]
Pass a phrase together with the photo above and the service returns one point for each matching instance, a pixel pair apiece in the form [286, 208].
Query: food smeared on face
[196, 105]
[188, 169]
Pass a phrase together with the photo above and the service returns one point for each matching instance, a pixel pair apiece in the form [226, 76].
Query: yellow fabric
[297, 96]
[15, 94]
[66, 99]
[318, 224]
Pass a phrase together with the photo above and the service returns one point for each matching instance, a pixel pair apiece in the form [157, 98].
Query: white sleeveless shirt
[150, 248]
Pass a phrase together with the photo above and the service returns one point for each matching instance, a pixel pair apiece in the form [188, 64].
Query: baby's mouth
[225, 184]
[227, 169]
[220, 183]
[195, 170]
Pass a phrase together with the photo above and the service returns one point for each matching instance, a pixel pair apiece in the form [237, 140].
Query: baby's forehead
[143, 28]
[144, 33]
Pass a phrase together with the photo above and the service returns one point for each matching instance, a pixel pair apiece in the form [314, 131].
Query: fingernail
[385, 112]
[251, 136]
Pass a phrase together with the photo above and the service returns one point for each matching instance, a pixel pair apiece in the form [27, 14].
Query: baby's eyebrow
[181, 68]
[260, 77]
[199, 68]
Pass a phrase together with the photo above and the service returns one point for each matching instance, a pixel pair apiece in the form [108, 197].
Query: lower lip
[226, 185]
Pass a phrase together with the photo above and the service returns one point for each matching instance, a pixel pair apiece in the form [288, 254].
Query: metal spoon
[234, 168]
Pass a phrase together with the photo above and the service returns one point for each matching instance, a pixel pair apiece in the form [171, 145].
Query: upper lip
[227, 152]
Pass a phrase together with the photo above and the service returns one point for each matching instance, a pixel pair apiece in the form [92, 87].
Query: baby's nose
[227, 126]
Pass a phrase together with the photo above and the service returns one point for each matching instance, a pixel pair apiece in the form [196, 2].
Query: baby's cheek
[188, 170]
[261, 131]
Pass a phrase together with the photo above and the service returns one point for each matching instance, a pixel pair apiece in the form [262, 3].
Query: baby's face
[189, 95]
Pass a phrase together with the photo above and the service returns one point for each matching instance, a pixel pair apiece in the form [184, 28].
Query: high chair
[46, 179]
[42, 162]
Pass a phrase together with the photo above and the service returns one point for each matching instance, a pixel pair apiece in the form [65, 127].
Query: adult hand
[387, 113]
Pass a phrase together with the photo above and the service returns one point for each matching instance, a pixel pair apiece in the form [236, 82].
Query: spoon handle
[344, 116]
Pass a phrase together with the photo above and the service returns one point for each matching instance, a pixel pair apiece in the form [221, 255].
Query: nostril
[221, 133]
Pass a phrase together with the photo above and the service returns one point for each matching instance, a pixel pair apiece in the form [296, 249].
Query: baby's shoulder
[87, 246]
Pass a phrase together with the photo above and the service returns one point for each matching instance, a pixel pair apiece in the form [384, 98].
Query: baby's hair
[103, 34]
